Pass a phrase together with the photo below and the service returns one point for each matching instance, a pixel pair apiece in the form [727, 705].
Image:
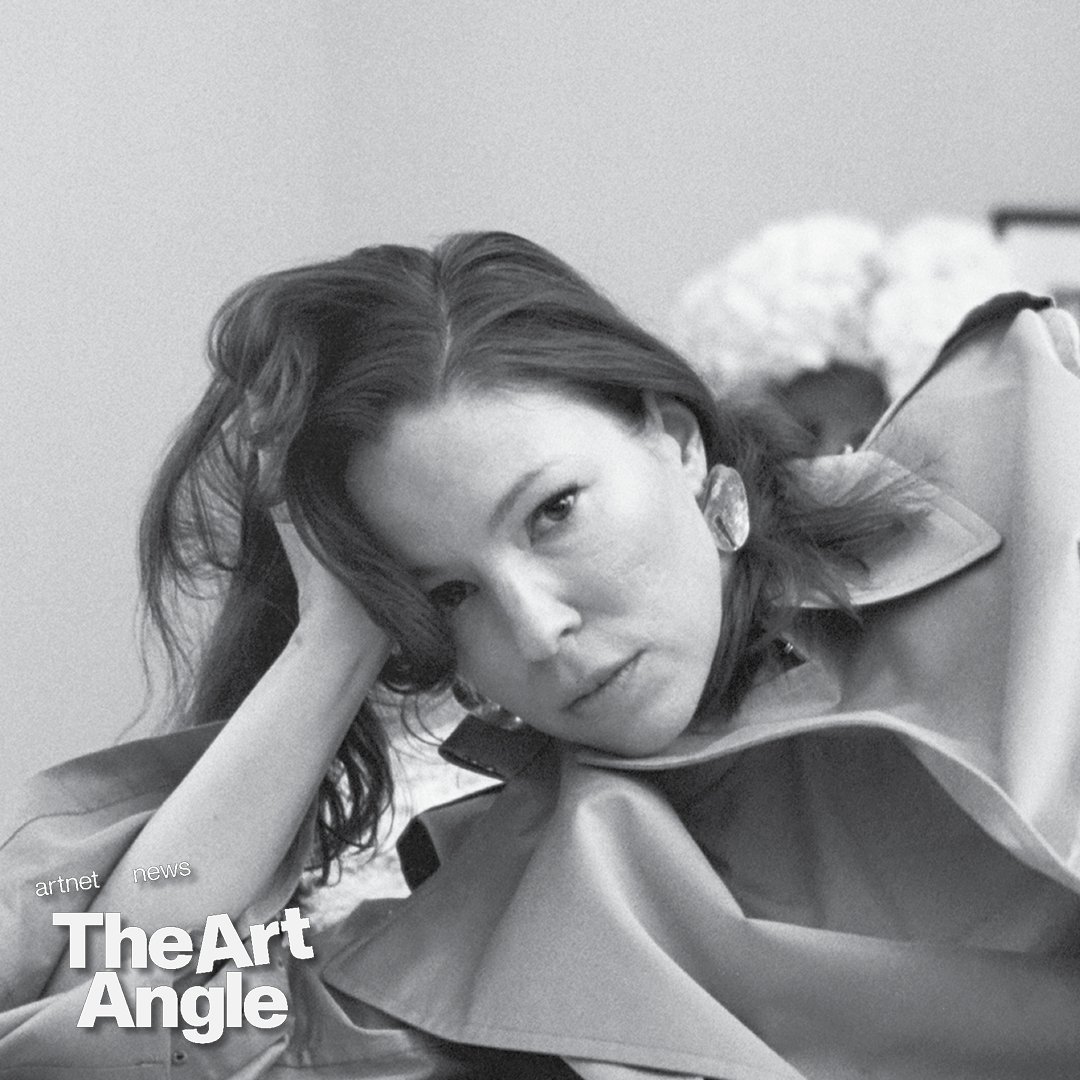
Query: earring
[483, 709]
[725, 508]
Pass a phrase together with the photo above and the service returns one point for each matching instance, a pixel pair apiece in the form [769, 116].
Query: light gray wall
[155, 156]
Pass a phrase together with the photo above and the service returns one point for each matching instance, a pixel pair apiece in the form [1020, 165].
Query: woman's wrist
[330, 633]
[354, 653]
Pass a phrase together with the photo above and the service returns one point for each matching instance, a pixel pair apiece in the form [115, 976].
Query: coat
[872, 870]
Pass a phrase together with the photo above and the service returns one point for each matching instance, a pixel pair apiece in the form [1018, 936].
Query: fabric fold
[579, 916]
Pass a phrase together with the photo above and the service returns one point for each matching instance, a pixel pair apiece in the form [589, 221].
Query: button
[179, 1057]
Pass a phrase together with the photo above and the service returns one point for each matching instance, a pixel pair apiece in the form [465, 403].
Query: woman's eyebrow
[506, 503]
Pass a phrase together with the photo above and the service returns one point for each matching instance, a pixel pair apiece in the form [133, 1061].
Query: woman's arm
[236, 812]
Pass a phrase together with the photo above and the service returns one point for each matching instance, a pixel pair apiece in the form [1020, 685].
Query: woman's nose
[538, 618]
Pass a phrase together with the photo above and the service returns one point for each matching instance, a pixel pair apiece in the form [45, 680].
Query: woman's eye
[450, 594]
[556, 509]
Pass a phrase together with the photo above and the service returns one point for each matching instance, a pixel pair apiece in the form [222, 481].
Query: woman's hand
[331, 618]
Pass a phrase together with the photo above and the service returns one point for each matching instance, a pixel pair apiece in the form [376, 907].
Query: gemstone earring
[725, 508]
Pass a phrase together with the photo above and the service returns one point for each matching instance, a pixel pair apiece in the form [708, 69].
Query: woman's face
[578, 577]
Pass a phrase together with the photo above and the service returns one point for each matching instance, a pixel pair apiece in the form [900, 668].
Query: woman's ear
[678, 434]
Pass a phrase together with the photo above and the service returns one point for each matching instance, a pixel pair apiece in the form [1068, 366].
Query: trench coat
[871, 870]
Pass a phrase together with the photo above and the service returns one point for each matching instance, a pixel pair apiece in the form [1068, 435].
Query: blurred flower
[794, 297]
[803, 294]
[936, 271]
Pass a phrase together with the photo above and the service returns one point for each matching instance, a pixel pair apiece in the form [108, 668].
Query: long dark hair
[310, 362]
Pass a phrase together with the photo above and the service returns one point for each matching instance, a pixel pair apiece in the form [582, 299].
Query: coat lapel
[578, 917]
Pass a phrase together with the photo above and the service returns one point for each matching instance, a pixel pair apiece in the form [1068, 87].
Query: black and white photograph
[540, 541]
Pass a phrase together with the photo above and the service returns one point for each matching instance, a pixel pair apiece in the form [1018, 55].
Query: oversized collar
[945, 540]
[579, 916]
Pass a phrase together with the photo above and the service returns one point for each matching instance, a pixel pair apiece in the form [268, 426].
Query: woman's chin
[644, 740]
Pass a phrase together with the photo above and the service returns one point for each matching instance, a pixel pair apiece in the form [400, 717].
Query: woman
[795, 794]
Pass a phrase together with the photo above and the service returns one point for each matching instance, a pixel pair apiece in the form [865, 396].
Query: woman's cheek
[477, 648]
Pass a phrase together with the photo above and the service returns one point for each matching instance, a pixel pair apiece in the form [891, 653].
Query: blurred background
[156, 156]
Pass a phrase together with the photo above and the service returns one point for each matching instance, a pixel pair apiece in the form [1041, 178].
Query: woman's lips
[604, 682]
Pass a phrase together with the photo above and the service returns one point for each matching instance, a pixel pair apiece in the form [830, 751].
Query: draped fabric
[872, 870]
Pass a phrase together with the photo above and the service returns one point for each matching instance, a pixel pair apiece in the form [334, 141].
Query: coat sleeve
[74, 822]
[69, 826]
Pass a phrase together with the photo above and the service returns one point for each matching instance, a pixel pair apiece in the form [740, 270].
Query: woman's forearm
[236, 812]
